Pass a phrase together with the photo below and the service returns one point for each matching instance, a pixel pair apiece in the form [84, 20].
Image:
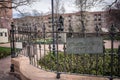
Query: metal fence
[51, 54]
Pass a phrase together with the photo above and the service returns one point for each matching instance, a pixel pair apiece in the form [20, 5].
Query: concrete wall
[29, 72]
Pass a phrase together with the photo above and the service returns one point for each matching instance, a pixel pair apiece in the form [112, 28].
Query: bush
[95, 64]
[4, 52]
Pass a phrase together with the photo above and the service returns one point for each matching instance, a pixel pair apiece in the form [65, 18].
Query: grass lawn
[4, 52]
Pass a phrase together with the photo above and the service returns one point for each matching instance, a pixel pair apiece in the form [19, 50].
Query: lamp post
[53, 29]
[12, 41]
[53, 34]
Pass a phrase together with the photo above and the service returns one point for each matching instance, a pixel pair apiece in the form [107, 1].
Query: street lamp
[53, 34]
[53, 29]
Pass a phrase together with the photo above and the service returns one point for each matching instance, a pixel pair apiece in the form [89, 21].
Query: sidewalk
[5, 45]
[5, 69]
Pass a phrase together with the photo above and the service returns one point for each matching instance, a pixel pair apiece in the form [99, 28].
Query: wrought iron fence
[39, 49]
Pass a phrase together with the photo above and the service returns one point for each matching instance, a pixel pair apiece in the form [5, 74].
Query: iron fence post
[12, 44]
[118, 53]
[97, 35]
[112, 34]
[12, 41]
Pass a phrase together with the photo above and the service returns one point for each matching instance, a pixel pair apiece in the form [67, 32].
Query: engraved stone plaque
[91, 45]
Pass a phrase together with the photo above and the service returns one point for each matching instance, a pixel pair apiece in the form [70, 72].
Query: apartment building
[99, 19]
[71, 20]
[91, 20]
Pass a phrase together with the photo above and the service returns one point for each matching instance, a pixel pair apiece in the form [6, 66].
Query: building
[99, 19]
[3, 35]
[5, 14]
[71, 20]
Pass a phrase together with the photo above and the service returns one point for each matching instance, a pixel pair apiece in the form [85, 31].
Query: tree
[59, 10]
[83, 6]
[16, 3]
[62, 10]
[113, 14]
[59, 7]
[6, 7]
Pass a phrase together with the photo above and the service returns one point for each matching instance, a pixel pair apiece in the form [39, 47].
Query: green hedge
[4, 52]
[83, 64]
[108, 38]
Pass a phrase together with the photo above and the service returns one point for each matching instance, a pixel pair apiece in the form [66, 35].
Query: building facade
[5, 14]
[3, 35]
[71, 20]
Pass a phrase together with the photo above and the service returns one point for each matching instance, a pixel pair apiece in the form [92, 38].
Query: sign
[18, 45]
[91, 45]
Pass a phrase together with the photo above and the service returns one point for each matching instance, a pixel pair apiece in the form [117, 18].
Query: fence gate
[67, 52]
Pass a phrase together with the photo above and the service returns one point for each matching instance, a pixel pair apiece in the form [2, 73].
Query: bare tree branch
[113, 15]
[16, 3]
[112, 3]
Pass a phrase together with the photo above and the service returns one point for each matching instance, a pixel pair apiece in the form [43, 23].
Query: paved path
[5, 45]
[5, 68]
[107, 44]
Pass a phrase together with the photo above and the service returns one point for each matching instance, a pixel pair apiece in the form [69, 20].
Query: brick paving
[5, 69]
[5, 45]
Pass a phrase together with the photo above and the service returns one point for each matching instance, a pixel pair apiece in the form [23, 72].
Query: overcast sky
[45, 6]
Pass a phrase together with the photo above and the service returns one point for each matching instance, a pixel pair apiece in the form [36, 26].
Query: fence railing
[39, 49]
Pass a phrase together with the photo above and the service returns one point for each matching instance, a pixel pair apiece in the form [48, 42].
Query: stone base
[29, 72]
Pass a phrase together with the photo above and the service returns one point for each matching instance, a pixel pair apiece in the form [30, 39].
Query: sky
[44, 6]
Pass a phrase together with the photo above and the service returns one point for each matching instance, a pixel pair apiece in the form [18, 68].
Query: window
[99, 24]
[95, 15]
[69, 16]
[49, 26]
[95, 19]
[5, 34]
[1, 34]
[99, 19]
[23, 24]
[99, 15]
[49, 17]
